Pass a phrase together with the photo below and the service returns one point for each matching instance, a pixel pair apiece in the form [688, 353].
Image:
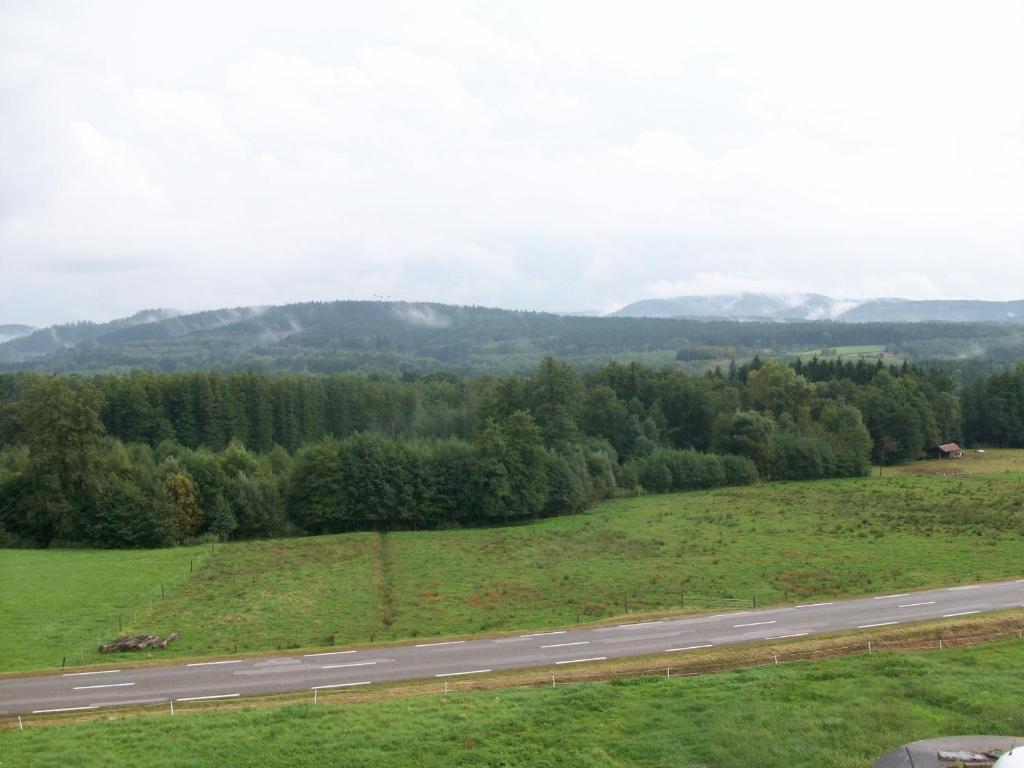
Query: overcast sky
[552, 155]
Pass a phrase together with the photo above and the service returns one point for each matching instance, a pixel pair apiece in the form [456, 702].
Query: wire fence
[77, 648]
[528, 679]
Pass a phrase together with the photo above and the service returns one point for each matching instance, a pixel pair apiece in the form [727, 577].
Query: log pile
[139, 642]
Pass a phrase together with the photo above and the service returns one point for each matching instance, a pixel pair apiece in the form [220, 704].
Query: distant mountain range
[9, 332]
[419, 338]
[812, 306]
[34, 343]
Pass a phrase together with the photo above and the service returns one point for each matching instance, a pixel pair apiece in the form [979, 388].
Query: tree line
[993, 409]
[153, 459]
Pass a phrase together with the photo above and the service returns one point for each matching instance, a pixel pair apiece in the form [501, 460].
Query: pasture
[773, 543]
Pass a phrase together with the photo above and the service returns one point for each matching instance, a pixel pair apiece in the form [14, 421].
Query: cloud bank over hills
[744, 306]
[504, 155]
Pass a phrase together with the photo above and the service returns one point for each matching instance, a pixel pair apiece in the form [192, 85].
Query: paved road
[231, 678]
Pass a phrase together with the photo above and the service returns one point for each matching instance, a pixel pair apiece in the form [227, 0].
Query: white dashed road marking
[326, 653]
[339, 685]
[108, 685]
[438, 645]
[61, 709]
[563, 645]
[101, 672]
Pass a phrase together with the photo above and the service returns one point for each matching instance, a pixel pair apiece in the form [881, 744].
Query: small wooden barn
[946, 451]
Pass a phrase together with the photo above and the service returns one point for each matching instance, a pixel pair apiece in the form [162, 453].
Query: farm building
[946, 451]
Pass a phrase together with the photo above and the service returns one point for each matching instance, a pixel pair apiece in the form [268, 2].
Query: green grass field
[781, 542]
[56, 603]
[872, 351]
[841, 713]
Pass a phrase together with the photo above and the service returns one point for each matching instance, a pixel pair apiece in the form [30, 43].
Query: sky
[562, 156]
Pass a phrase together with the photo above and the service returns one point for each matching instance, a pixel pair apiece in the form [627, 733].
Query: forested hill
[396, 337]
[13, 331]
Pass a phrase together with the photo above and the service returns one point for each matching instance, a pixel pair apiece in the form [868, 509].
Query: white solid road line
[914, 605]
[580, 661]
[100, 672]
[353, 664]
[880, 624]
[725, 615]
[886, 597]
[962, 613]
[783, 637]
[108, 685]
[340, 685]
[61, 709]
[467, 672]
[211, 663]
[436, 645]
[563, 645]
[752, 624]
[688, 648]
[813, 605]
[326, 653]
[966, 586]
[640, 624]
[205, 698]
[545, 634]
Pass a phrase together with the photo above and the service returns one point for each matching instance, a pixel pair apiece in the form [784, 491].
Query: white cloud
[564, 155]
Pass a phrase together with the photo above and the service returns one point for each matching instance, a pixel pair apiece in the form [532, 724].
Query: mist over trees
[396, 337]
[156, 459]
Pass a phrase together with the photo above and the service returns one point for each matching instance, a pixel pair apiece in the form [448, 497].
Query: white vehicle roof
[1012, 759]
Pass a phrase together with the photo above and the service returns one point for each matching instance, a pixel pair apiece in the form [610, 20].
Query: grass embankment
[781, 541]
[840, 713]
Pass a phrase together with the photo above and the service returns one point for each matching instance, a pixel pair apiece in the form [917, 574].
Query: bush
[800, 457]
[668, 469]
[738, 470]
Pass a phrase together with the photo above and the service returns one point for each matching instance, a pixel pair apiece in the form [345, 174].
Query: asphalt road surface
[233, 678]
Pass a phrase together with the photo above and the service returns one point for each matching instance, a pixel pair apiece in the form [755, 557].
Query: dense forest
[993, 409]
[397, 337]
[155, 459]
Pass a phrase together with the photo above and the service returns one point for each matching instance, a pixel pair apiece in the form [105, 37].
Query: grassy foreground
[781, 542]
[840, 713]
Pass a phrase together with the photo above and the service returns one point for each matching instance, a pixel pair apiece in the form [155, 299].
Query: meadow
[58, 603]
[840, 713]
[773, 543]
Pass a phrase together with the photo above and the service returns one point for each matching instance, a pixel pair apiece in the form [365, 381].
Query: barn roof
[948, 447]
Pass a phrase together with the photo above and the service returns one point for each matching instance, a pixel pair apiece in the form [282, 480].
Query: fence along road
[454, 659]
